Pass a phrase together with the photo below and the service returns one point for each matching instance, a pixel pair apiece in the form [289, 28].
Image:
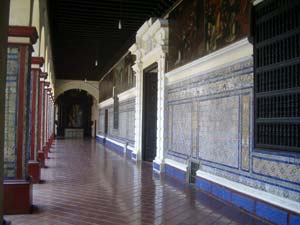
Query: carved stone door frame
[151, 47]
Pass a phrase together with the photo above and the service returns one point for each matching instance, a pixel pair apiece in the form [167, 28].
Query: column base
[45, 150]
[41, 156]
[48, 145]
[34, 170]
[17, 197]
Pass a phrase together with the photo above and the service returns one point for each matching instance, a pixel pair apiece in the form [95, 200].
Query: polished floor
[85, 183]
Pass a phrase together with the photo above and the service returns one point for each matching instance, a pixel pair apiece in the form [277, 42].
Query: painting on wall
[121, 77]
[123, 74]
[226, 21]
[186, 39]
[75, 116]
[199, 27]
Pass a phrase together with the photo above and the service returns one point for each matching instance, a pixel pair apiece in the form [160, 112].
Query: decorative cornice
[106, 103]
[233, 53]
[131, 93]
[23, 31]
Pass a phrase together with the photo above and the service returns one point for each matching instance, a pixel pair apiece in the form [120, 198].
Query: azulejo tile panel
[219, 130]
[212, 126]
[182, 128]
[245, 159]
[277, 169]
[125, 131]
[13, 54]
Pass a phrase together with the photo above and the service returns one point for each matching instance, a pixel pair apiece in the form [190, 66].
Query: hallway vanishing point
[86, 183]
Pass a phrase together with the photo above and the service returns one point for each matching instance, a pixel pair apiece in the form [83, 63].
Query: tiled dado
[120, 148]
[258, 207]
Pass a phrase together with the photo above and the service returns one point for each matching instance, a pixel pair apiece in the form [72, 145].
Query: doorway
[149, 113]
[106, 122]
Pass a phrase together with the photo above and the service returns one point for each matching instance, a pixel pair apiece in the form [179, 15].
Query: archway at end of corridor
[74, 114]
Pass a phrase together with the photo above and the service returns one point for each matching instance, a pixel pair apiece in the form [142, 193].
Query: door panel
[149, 116]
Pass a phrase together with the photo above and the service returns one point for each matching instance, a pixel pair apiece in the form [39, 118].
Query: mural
[199, 27]
[121, 77]
[186, 39]
[226, 21]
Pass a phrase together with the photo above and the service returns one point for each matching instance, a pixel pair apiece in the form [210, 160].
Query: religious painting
[75, 116]
[186, 39]
[199, 27]
[123, 74]
[119, 79]
[226, 21]
[105, 87]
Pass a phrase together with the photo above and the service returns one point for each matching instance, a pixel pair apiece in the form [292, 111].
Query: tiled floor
[88, 184]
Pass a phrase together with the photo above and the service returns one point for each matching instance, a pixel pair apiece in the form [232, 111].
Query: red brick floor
[85, 183]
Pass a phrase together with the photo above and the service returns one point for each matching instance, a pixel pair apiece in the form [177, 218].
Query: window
[277, 74]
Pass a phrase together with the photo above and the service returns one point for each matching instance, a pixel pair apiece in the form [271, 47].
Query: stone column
[17, 186]
[4, 11]
[34, 168]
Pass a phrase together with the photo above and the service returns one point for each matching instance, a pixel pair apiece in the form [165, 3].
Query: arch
[36, 24]
[64, 85]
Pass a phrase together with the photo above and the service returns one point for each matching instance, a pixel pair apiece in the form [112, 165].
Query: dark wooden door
[149, 116]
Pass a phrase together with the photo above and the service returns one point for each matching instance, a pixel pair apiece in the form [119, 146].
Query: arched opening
[74, 114]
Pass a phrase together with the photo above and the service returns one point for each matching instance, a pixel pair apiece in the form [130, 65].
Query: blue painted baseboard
[174, 172]
[254, 206]
[100, 139]
[128, 153]
[114, 146]
[156, 166]
[133, 156]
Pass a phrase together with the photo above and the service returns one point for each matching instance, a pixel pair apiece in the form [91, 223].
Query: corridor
[86, 183]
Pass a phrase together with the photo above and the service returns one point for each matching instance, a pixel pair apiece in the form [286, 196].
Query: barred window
[277, 74]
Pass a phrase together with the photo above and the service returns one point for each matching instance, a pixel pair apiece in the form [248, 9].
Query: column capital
[44, 75]
[22, 35]
[47, 85]
[37, 63]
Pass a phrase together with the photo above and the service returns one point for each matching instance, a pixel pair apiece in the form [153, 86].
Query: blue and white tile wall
[11, 101]
[125, 132]
[210, 119]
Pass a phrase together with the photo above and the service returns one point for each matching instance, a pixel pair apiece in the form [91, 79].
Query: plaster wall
[20, 12]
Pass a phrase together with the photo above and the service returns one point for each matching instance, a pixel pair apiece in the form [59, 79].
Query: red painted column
[41, 155]
[37, 63]
[49, 117]
[17, 186]
[34, 166]
[45, 126]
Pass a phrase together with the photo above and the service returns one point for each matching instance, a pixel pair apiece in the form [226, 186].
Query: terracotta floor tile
[88, 184]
